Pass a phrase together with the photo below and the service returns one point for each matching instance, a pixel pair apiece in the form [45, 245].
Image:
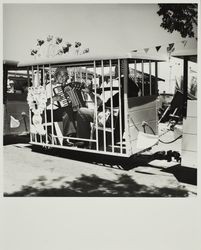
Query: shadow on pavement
[183, 174]
[96, 158]
[94, 186]
[15, 139]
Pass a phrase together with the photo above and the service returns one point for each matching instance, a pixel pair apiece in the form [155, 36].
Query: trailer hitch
[163, 155]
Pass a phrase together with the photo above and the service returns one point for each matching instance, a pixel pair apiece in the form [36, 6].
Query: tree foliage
[179, 17]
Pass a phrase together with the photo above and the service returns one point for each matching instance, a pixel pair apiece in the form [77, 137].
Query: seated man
[60, 113]
[85, 116]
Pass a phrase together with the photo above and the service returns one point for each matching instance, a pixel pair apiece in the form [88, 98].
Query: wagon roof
[89, 58]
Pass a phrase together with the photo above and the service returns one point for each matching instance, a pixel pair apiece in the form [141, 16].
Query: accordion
[71, 95]
[64, 102]
[74, 92]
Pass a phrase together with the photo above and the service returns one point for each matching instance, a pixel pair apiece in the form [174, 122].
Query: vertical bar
[45, 111]
[126, 117]
[142, 78]
[28, 77]
[31, 135]
[135, 72]
[150, 83]
[185, 87]
[33, 80]
[80, 74]
[156, 75]
[112, 111]
[95, 113]
[52, 118]
[120, 108]
[38, 81]
[75, 74]
[103, 94]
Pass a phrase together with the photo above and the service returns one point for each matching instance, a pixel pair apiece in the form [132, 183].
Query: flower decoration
[68, 45]
[49, 38]
[86, 51]
[34, 52]
[51, 47]
[40, 42]
[77, 44]
[59, 40]
[65, 49]
[60, 52]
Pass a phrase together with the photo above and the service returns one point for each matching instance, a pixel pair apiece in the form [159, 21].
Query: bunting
[184, 42]
[158, 48]
[169, 47]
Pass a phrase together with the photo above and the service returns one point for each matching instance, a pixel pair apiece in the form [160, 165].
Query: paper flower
[65, 49]
[34, 52]
[49, 38]
[86, 51]
[77, 44]
[59, 40]
[40, 42]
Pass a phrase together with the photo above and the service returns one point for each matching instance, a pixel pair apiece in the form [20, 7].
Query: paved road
[29, 173]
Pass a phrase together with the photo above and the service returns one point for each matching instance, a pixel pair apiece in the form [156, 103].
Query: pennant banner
[158, 48]
[170, 48]
[146, 50]
[184, 42]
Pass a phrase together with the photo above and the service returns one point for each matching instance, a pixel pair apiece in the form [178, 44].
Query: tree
[179, 17]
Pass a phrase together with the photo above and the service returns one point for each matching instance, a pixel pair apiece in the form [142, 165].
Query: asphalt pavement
[45, 173]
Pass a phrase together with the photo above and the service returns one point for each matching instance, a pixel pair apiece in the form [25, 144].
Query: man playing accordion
[61, 104]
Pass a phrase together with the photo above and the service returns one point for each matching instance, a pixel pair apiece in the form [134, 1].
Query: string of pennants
[169, 47]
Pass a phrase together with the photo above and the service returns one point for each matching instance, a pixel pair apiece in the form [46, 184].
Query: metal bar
[120, 109]
[35, 138]
[103, 94]
[156, 76]
[28, 77]
[95, 113]
[45, 111]
[85, 150]
[111, 104]
[38, 82]
[185, 85]
[135, 72]
[86, 75]
[72, 64]
[80, 74]
[75, 74]
[142, 78]
[52, 118]
[150, 83]
[126, 117]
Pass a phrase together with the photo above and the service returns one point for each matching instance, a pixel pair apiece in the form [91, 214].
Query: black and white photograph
[98, 101]
[100, 108]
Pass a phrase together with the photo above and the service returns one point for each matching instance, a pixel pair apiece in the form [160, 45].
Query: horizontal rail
[81, 149]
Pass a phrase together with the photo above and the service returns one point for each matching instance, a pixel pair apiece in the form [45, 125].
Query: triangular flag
[146, 50]
[158, 48]
[184, 42]
[170, 48]
[14, 123]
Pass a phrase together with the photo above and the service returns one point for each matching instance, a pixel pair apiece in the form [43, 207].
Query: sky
[103, 28]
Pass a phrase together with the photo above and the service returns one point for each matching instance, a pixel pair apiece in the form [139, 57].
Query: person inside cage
[86, 116]
[60, 104]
